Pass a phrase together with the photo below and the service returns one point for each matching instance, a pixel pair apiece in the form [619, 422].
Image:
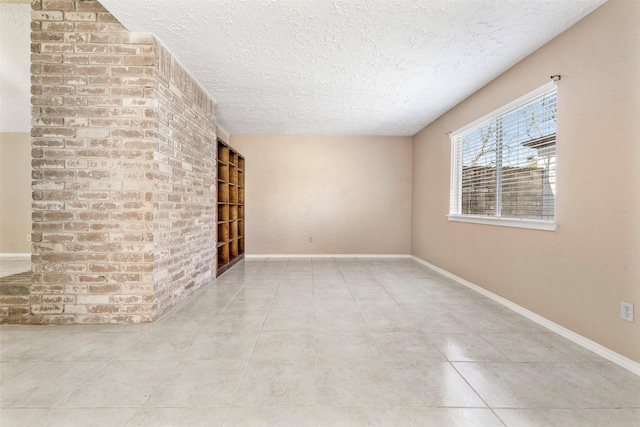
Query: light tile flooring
[13, 264]
[316, 342]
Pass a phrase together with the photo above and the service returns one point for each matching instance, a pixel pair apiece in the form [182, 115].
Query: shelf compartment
[233, 158]
[223, 255]
[233, 194]
[223, 172]
[241, 196]
[223, 232]
[233, 230]
[241, 163]
[223, 212]
[233, 175]
[223, 192]
[233, 249]
[240, 178]
[223, 153]
[233, 212]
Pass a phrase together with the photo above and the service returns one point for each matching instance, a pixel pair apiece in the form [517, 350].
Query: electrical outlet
[28, 237]
[626, 311]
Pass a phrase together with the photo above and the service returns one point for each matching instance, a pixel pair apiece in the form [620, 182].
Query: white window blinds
[504, 165]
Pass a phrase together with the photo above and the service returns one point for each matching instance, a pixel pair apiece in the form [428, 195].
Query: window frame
[455, 191]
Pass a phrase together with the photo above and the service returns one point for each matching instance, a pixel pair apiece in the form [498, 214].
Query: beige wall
[577, 275]
[15, 192]
[352, 194]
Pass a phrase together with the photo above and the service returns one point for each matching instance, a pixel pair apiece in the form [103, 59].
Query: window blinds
[505, 166]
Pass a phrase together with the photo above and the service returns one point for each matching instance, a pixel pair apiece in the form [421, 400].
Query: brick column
[93, 185]
[124, 163]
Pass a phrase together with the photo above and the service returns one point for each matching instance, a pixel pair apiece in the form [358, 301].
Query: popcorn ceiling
[346, 67]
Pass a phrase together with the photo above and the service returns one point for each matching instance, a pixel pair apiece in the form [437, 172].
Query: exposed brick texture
[15, 298]
[123, 164]
[185, 183]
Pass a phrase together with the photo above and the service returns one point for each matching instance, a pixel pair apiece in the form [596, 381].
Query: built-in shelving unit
[230, 207]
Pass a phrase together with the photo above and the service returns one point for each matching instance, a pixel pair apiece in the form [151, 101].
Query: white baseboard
[600, 350]
[16, 255]
[327, 256]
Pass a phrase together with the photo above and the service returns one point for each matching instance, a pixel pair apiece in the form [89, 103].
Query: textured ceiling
[383, 67]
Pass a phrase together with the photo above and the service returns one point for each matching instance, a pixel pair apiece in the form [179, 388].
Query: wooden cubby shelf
[223, 172]
[223, 192]
[223, 212]
[231, 182]
[233, 193]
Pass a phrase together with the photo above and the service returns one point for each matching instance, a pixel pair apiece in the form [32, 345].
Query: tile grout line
[315, 340]
[255, 343]
[384, 365]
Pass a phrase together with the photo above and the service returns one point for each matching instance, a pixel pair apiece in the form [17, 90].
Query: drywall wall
[15, 108]
[578, 275]
[15, 192]
[350, 194]
[15, 124]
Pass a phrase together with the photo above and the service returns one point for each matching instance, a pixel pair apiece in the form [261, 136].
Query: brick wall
[185, 183]
[123, 171]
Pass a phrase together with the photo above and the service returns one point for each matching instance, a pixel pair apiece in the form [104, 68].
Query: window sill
[533, 224]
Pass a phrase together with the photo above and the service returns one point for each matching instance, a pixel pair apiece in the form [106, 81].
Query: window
[503, 166]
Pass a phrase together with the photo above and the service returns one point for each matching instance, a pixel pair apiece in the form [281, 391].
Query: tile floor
[315, 342]
[13, 264]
